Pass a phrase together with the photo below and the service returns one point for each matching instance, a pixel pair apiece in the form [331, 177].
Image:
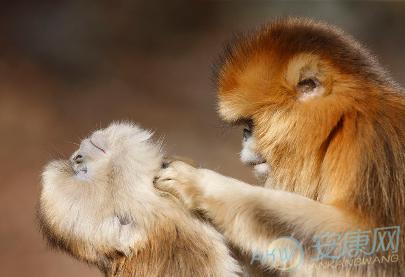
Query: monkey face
[108, 150]
[90, 158]
[295, 83]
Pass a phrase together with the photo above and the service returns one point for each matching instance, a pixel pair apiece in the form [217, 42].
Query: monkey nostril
[78, 159]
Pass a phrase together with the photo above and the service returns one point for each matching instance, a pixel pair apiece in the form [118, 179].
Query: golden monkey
[325, 130]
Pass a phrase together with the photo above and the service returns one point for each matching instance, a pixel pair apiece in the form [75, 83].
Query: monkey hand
[198, 188]
[181, 180]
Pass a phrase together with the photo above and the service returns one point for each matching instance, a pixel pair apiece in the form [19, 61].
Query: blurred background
[70, 67]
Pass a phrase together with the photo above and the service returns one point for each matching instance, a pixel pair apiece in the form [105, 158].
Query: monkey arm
[252, 217]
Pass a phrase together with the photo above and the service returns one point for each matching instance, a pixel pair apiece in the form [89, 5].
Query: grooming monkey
[325, 131]
[101, 207]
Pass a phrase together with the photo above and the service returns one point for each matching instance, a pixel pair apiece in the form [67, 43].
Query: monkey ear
[309, 87]
[305, 75]
[124, 235]
[124, 220]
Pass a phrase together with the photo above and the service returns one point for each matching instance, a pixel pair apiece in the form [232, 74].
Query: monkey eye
[248, 123]
[248, 129]
[307, 85]
[247, 133]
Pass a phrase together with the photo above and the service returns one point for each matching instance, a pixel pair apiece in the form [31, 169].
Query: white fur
[250, 156]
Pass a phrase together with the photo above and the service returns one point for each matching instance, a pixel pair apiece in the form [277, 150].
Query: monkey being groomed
[101, 207]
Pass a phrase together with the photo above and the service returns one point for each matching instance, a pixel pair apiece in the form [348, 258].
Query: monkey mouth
[255, 163]
[80, 170]
[258, 160]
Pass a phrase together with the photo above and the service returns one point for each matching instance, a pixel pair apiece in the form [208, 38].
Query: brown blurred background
[69, 67]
